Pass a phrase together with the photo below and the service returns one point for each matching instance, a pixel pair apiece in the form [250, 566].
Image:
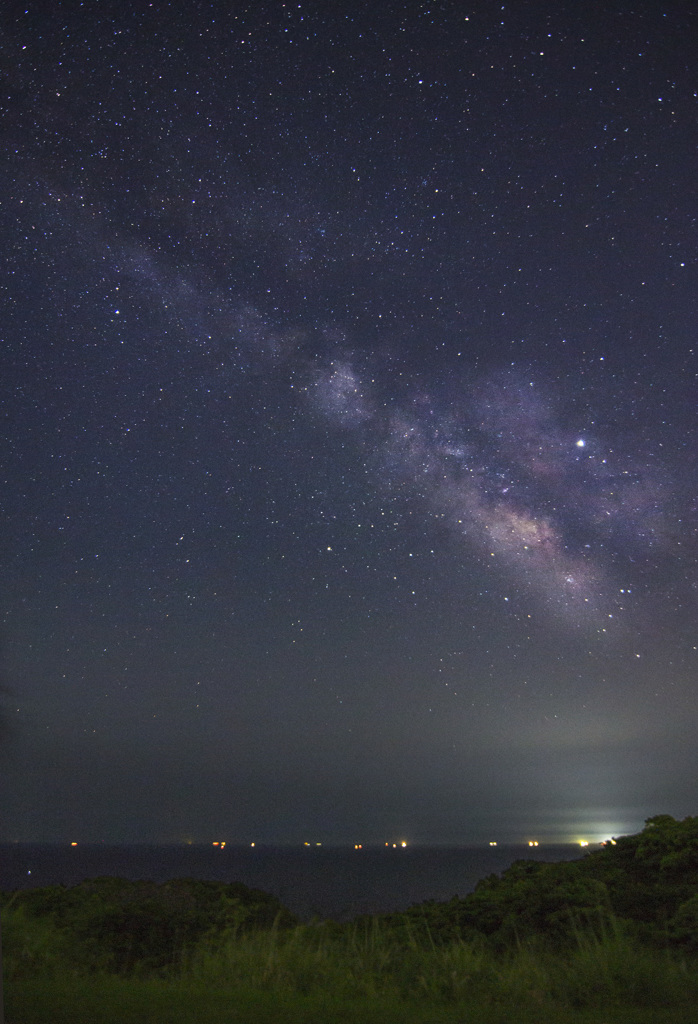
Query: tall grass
[32, 945]
[368, 970]
[360, 960]
[610, 968]
[367, 959]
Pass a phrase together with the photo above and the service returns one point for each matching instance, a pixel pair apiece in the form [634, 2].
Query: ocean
[326, 882]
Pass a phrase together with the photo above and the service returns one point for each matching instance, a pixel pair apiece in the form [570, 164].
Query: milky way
[572, 507]
[567, 516]
[349, 411]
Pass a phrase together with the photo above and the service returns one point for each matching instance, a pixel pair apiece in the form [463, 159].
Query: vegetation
[649, 882]
[612, 937]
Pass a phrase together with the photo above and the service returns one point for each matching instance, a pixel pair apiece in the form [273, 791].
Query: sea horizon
[338, 882]
[289, 845]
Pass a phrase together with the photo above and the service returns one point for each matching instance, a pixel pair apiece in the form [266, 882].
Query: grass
[363, 972]
[111, 1000]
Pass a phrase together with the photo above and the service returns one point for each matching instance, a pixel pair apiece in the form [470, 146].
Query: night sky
[348, 394]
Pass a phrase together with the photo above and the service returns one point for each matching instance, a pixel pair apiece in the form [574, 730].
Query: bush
[122, 926]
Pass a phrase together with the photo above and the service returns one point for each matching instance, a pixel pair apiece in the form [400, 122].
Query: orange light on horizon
[73, 844]
[533, 842]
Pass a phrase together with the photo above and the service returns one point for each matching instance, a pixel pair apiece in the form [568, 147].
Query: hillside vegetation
[612, 937]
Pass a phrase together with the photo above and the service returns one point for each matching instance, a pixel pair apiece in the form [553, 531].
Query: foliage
[313, 974]
[648, 881]
[614, 933]
[649, 875]
[32, 945]
[118, 925]
[683, 926]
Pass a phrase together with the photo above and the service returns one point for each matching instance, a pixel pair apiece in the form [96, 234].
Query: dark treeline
[648, 882]
[616, 929]
[122, 926]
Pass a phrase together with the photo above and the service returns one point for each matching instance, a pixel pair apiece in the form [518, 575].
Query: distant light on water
[595, 833]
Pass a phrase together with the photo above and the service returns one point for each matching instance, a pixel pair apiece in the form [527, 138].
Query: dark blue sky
[349, 414]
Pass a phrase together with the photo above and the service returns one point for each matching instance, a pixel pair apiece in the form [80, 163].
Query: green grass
[110, 1000]
[367, 971]
[610, 939]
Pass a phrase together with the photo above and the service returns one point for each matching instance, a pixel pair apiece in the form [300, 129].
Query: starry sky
[349, 420]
